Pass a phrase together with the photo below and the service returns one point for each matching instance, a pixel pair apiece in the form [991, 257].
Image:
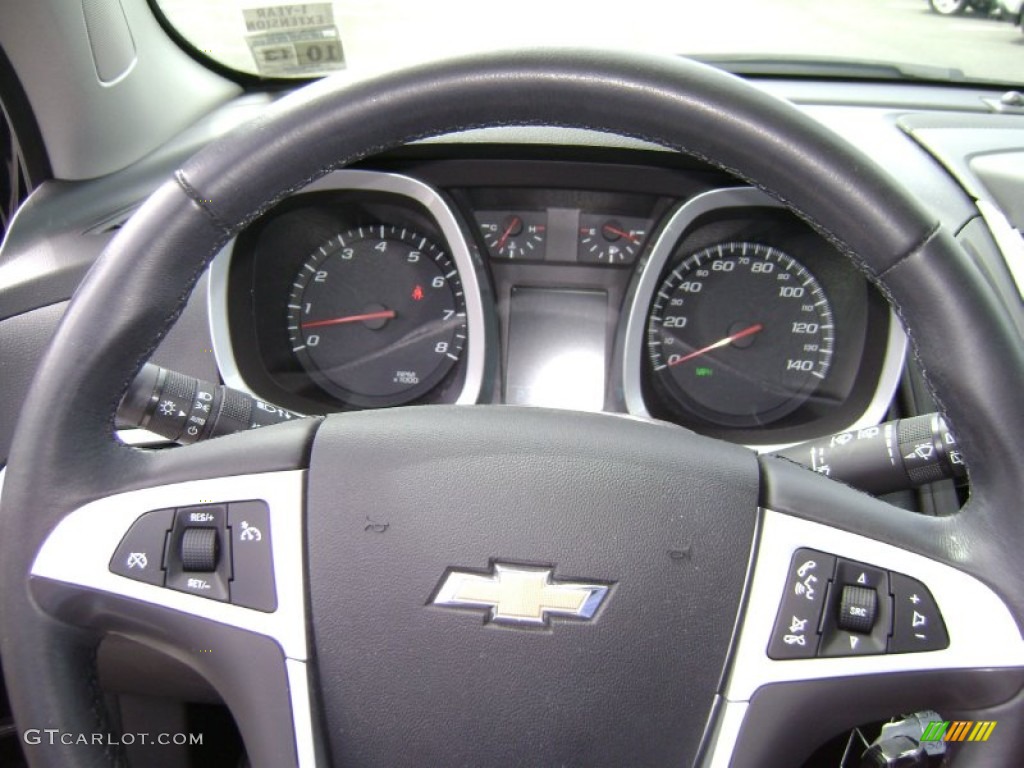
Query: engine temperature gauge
[514, 235]
[611, 240]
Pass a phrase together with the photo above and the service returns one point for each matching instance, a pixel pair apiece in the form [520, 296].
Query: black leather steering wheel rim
[64, 454]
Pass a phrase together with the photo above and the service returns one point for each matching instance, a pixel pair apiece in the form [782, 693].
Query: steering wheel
[644, 567]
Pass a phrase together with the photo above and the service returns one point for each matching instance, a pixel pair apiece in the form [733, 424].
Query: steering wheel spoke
[939, 639]
[234, 610]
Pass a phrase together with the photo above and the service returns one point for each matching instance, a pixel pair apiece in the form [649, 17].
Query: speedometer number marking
[740, 333]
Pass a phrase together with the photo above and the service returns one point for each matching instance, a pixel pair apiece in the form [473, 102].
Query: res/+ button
[198, 555]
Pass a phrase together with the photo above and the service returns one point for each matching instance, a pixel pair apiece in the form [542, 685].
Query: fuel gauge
[517, 235]
[611, 239]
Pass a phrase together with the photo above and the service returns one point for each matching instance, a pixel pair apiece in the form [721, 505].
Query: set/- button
[198, 554]
[795, 635]
[199, 549]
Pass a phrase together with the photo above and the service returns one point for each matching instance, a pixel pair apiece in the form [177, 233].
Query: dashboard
[590, 284]
[596, 272]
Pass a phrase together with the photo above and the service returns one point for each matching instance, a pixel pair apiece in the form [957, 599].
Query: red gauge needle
[513, 223]
[622, 233]
[386, 314]
[756, 328]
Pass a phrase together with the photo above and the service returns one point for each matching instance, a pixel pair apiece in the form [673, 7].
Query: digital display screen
[556, 348]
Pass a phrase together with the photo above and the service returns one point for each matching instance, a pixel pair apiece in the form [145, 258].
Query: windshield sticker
[289, 40]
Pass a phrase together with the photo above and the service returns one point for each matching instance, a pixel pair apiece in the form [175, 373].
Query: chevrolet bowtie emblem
[519, 595]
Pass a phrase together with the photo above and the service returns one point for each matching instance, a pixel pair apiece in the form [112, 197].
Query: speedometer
[740, 334]
[377, 315]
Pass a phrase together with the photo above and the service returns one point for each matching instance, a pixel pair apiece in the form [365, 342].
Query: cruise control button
[795, 635]
[209, 515]
[196, 533]
[917, 623]
[139, 556]
[199, 549]
[253, 584]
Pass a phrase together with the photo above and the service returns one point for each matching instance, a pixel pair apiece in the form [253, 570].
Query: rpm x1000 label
[289, 40]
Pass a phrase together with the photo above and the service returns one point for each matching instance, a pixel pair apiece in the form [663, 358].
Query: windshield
[923, 39]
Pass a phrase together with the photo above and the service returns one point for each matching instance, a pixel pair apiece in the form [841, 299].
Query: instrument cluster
[712, 307]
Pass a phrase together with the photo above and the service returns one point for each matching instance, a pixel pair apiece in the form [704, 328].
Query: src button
[858, 614]
[857, 609]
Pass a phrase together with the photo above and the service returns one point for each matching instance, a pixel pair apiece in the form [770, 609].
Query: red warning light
[417, 293]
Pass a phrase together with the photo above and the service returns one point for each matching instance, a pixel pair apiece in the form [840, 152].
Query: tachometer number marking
[377, 315]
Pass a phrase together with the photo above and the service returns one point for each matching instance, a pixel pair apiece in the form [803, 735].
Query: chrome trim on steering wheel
[982, 631]
[79, 549]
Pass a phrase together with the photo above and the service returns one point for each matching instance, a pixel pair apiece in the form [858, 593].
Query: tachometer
[377, 315]
[740, 334]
